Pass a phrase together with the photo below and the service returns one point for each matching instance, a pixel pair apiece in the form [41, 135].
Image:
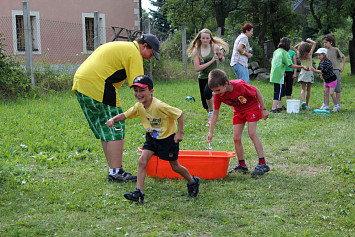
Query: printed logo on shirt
[154, 122]
[253, 116]
[242, 99]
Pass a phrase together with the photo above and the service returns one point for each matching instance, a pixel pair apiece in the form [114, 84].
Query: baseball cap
[322, 50]
[153, 42]
[142, 81]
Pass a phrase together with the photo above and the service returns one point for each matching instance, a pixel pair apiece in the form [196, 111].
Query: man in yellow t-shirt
[96, 84]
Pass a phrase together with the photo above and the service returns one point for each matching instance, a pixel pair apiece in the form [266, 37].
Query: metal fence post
[28, 41]
[184, 54]
[96, 29]
[147, 31]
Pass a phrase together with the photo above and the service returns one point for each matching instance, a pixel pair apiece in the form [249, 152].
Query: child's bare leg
[176, 167]
[237, 138]
[326, 96]
[338, 95]
[303, 91]
[255, 138]
[332, 94]
[309, 86]
[274, 104]
[142, 165]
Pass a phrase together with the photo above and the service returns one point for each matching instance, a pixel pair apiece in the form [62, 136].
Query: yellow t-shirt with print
[158, 119]
[105, 70]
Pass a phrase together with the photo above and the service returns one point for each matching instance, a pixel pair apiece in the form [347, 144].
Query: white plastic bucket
[293, 106]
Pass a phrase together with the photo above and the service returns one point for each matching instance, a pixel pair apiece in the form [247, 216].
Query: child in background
[325, 68]
[158, 119]
[334, 55]
[290, 74]
[280, 60]
[205, 52]
[306, 77]
[248, 106]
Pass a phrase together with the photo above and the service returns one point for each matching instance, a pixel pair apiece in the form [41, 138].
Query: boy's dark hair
[330, 38]
[247, 27]
[285, 43]
[216, 78]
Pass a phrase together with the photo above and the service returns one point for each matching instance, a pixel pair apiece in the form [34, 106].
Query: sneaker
[208, 123]
[239, 168]
[275, 111]
[260, 169]
[193, 188]
[324, 107]
[282, 108]
[121, 177]
[135, 196]
[308, 107]
[336, 109]
[303, 106]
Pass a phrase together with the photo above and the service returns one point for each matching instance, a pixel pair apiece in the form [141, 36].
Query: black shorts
[279, 91]
[165, 149]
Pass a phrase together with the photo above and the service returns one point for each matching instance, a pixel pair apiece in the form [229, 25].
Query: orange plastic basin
[203, 164]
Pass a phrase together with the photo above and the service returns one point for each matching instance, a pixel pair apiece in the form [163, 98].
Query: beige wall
[61, 29]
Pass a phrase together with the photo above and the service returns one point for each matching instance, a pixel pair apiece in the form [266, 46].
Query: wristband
[243, 52]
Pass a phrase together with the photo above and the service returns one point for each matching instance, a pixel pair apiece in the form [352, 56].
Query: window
[89, 31]
[18, 32]
[89, 28]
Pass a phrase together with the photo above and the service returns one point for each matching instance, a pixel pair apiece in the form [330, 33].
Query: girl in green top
[205, 50]
[306, 78]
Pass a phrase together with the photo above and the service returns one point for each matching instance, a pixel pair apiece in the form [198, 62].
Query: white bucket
[293, 106]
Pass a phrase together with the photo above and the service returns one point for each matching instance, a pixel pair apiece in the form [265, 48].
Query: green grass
[53, 172]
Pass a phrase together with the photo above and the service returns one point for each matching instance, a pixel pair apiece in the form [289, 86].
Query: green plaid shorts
[97, 115]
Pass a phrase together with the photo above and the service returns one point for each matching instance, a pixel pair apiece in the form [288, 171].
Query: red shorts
[253, 115]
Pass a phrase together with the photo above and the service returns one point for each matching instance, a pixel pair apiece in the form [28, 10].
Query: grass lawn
[53, 173]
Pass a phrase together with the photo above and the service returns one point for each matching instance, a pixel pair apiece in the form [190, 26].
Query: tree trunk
[352, 49]
[220, 17]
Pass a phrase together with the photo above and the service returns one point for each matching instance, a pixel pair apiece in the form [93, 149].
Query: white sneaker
[325, 107]
[336, 109]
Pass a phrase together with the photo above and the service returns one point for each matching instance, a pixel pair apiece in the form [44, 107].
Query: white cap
[322, 50]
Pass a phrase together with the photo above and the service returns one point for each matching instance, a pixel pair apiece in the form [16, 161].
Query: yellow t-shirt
[158, 119]
[105, 70]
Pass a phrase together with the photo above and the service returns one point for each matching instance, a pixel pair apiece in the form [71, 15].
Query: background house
[63, 30]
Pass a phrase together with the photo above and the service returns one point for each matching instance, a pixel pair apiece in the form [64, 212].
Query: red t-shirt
[242, 98]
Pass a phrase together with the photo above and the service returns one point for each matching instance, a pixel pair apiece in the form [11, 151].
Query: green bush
[13, 78]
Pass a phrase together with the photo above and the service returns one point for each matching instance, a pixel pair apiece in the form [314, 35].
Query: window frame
[35, 31]
[102, 25]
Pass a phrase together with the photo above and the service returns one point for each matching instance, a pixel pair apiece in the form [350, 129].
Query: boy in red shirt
[248, 106]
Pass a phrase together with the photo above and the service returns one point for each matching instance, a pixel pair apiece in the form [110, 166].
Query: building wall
[61, 33]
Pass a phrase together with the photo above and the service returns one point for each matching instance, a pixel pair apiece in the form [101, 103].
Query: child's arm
[178, 135]
[213, 122]
[342, 68]
[296, 47]
[299, 66]
[294, 59]
[264, 111]
[313, 46]
[200, 67]
[311, 68]
[117, 118]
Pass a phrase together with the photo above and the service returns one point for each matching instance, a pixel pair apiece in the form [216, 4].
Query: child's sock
[115, 171]
[242, 162]
[262, 161]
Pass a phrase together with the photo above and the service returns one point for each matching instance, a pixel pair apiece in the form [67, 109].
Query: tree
[162, 26]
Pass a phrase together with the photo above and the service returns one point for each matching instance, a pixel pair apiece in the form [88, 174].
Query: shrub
[13, 78]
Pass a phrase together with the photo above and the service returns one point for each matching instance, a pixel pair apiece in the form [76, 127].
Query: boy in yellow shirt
[158, 119]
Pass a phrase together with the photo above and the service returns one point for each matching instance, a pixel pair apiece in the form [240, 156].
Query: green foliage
[49, 79]
[13, 79]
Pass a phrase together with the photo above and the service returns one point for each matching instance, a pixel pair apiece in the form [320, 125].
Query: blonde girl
[306, 78]
[205, 50]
